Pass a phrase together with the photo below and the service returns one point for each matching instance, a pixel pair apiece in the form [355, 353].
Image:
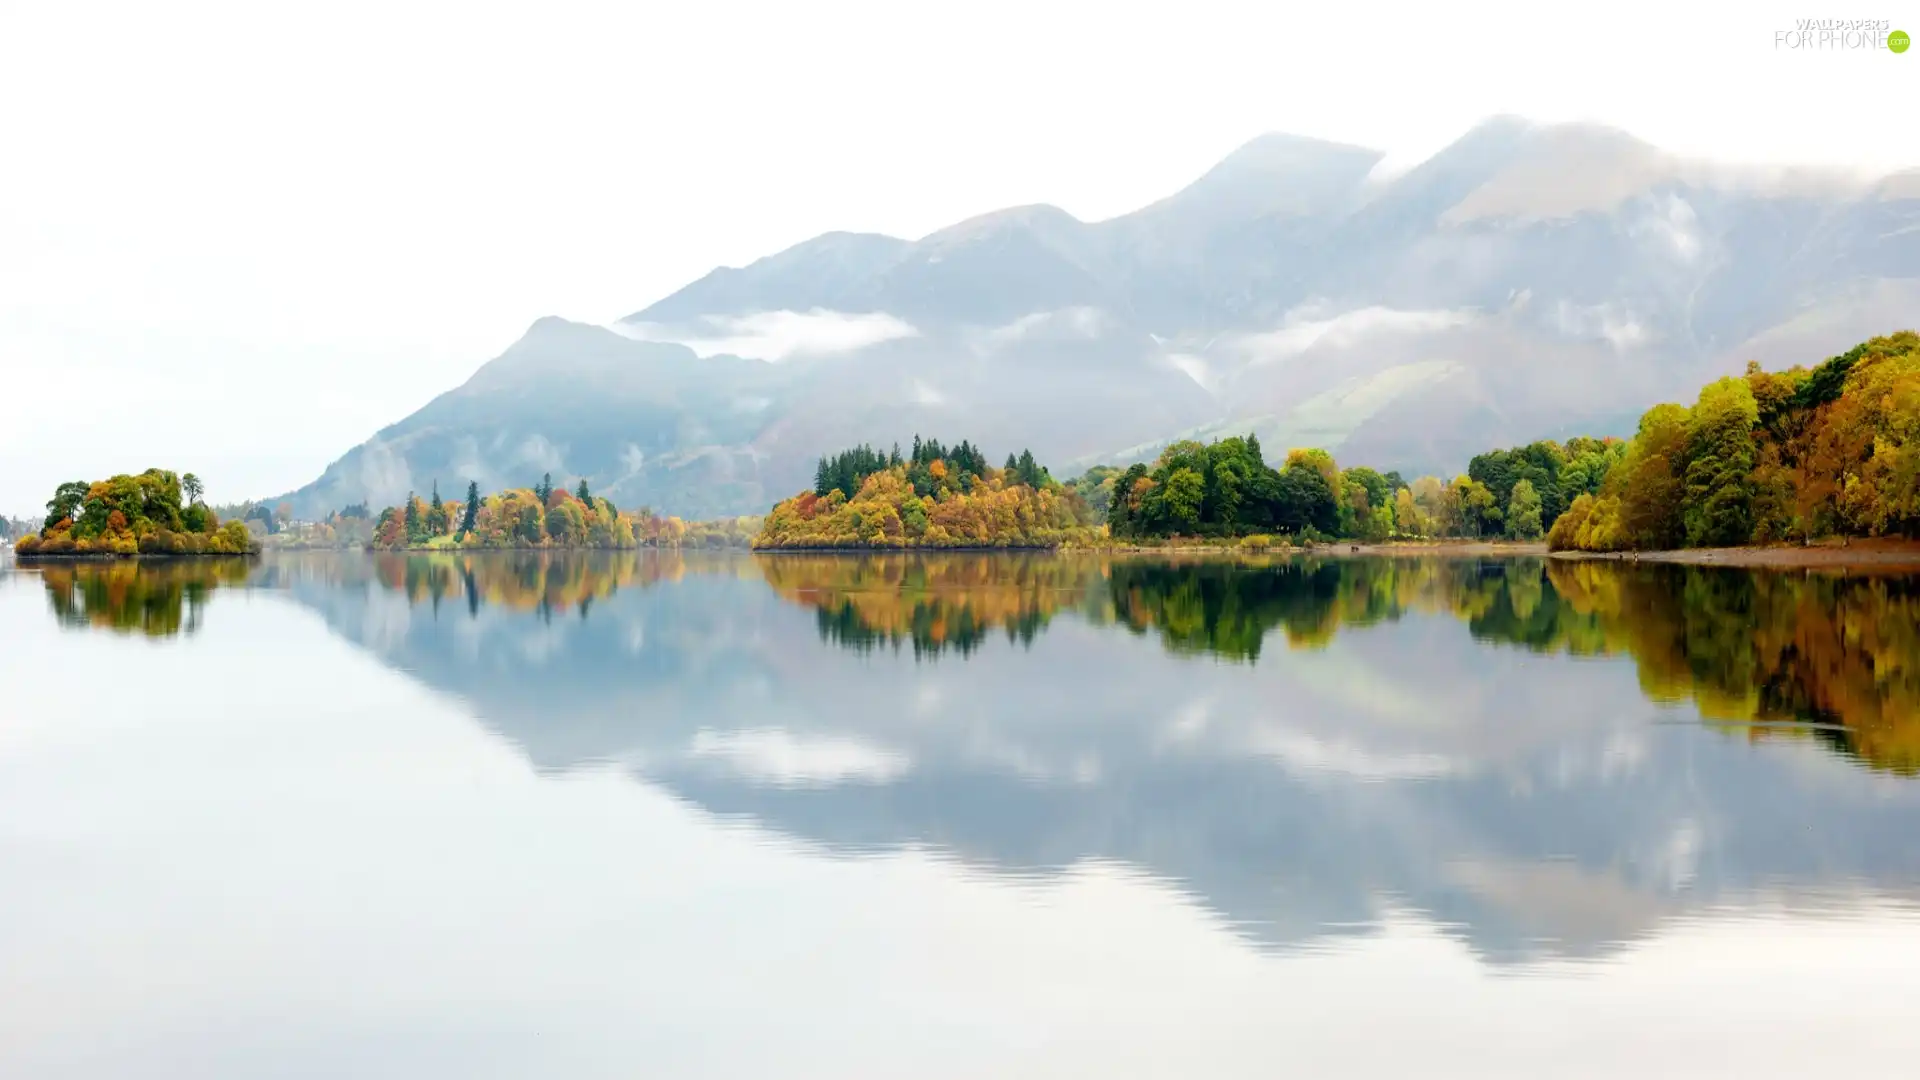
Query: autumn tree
[1407, 517]
[1765, 457]
[1479, 510]
[531, 525]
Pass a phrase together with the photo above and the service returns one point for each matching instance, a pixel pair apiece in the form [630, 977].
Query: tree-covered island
[157, 513]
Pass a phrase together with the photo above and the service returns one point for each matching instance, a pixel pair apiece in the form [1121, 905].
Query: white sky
[238, 239]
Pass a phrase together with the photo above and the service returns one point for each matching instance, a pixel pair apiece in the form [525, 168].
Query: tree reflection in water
[1771, 654]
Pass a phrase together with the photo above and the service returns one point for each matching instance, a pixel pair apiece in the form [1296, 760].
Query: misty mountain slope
[1527, 280]
[650, 423]
[830, 271]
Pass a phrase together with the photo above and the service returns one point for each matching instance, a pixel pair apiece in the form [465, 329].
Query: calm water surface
[726, 816]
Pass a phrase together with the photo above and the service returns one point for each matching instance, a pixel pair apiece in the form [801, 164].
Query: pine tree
[823, 477]
[473, 506]
[582, 493]
[1029, 470]
[438, 518]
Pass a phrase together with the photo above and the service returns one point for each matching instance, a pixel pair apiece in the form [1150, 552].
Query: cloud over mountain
[1526, 280]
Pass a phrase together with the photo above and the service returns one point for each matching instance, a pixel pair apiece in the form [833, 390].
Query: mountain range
[1528, 281]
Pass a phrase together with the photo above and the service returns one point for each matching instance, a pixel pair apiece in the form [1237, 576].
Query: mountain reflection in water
[1301, 744]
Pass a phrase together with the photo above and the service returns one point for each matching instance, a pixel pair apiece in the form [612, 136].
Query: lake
[712, 815]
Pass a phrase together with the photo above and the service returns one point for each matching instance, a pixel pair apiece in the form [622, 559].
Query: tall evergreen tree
[582, 494]
[473, 506]
[438, 516]
[1029, 470]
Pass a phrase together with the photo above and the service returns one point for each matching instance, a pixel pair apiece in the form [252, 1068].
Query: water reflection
[936, 603]
[1834, 656]
[1828, 656]
[155, 599]
[1302, 745]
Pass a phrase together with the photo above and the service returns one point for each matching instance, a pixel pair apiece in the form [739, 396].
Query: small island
[935, 497]
[126, 516]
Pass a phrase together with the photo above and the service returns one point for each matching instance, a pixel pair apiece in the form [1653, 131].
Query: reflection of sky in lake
[740, 847]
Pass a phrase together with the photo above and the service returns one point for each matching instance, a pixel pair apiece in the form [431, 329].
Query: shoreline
[1864, 555]
[1231, 548]
[1883, 555]
[456, 550]
[1347, 549]
[108, 556]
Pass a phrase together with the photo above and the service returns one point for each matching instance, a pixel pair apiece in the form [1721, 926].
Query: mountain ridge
[1527, 278]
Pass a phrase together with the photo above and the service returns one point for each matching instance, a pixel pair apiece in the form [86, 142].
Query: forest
[1227, 489]
[543, 516]
[157, 512]
[933, 497]
[1768, 458]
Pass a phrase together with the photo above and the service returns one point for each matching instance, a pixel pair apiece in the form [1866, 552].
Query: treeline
[1227, 489]
[937, 497]
[929, 467]
[543, 516]
[1768, 457]
[157, 512]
